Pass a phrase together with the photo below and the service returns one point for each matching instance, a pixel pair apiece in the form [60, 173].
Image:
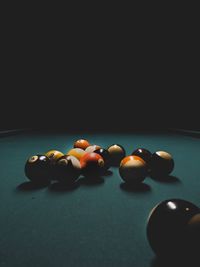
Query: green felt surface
[100, 224]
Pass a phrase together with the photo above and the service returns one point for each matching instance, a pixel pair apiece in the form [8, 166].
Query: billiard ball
[173, 226]
[117, 153]
[143, 153]
[81, 143]
[38, 169]
[105, 155]
[133, 169]
[54, 155]
[92, 164]
[76, 152]
[92, 148]
[67, 169]
[161, 164]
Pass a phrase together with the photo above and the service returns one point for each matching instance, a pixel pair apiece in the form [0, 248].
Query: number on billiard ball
[105, 155]
[54, 155]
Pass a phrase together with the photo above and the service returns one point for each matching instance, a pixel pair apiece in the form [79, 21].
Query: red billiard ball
[38, 169]
[81, 143]
[92, 164]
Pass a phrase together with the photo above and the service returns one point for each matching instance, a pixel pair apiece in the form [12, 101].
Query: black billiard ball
[143, 153]
[38, 169]
[105, 155]
[173, 226]
[133, 169]
[161, 163]
[67, 169]
[117, 153]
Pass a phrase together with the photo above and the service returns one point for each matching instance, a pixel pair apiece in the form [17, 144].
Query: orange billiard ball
[92, 164]
[133, 169]
[81, 143]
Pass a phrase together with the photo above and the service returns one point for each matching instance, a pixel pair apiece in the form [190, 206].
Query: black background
[104, 77]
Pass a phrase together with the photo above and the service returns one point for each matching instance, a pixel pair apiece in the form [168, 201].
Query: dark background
[88, 76]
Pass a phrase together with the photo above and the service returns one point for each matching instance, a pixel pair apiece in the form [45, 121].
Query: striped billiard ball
[133, 169]
[76, 152]
[92, 148]
[67, 169]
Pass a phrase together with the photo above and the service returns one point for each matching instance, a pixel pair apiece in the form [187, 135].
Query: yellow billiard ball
[54, 155]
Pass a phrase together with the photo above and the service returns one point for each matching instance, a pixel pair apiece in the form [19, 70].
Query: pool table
[90, 224]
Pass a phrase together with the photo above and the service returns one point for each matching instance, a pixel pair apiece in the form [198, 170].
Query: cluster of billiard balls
[173, 225]
[84, 158]
[93, 161]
